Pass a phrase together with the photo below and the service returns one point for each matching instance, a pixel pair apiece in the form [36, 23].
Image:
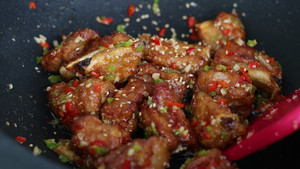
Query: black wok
[24, 111]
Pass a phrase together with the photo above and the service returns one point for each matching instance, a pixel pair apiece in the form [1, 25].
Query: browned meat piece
[78, 98]
[139, 154]
[70, 49]
[122, 109]
[92, 137]
[177, 55]
[263, 70]
[225, 27]
[238, 94]
[213, 123]
[179, 82]
[162, 115]
[208, 159]
[115, 61]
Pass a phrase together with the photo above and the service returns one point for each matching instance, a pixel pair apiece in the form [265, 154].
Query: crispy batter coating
[123, 106]
[177, 55]
[179, 82]
[70, 49]
[263, 70]
[161, 115]
[225, 27]
[238, 95]
[213, 123]
[208, 159]
[115, 61]
[138, 154]
[78, 98]
[92, 137]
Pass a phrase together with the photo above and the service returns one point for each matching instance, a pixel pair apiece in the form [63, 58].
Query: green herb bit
[128, 43]
[171, 71]
[45, 51]
[176, 132]
[158, 80]
[110, 99]
[202, 152]
[251, 43]
[149, 101]
[236, 117]
[111, 68]
[58, 47]
[110, 77]
[221, 67]
[214, 38]
[212, 94]
[155, 132]
[206, 68]
[140, 48]
[100, 150]
[164, 109]
[224, 135]
[63, 158]
[50, 143]
[136, 147]
[121, 28]
[54, 78]
[191, 83]
[36, 151]
[200, 95]
[188, 160]
[38, 59]
[208, 128]
[55, 122]
[155, 7]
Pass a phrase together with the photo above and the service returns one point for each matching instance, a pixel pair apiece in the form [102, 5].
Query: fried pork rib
[177, 55]
[140, 153]
[92, 137]
[78, 98]
[208, 159]
[225, 27]
[161, 115]
[230, 88]
[213, 123]
[115, 60]
[70, 49]
[263, 70]
[179, 82]
[122, 108]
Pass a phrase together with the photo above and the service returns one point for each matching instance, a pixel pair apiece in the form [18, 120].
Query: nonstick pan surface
[24, 112]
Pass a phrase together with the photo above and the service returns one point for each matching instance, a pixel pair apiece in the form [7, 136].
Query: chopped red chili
[126, 164]
[69, 107]
[190, 50]
[222, 102]
[67, 90]
[21, 139]
[194, 122]
[228, 68]
[213, 85]
[107, 21]
[98, 87]
[228, 44]
[161, 32]
[174, 65]
[194, 36]
[95, 74]
[226, 32]
[75, 83]
[229, 53]
[156, 40]
[69, 68]
[271, 60]
[106, 45]
[99, 143]
[130, 10]
[206, 135]
[45, 45]
[191, 22]
[253, 64]
[169, 103]
[223, 84]
[246, 75]
[32, 5]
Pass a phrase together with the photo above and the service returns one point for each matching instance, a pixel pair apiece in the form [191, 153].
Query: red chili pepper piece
[246, 75]
[69, 68]
[106, 45]
[92, 151]
[45, 45]
[226, 32]
[75, 83]
[222, 102]
[161, 32]
[95, 74]
[68, 90]
[271, 60]
[213, 85]
[253, 64]
[220, 41]
[191, 22]
[21, 139]
[126, 164]
[190, 50]
[130, 10]
[194, 123]
[98, 87]
[176, 127]
[169, 103]
[206, 135]
[156, 40]
[99, 143]
[228, 68]
[229, 53]
[223, 84]
[174, 65]
[107, 21]
[69, 107]
[194, 36]
[228, 44]
[32, 5]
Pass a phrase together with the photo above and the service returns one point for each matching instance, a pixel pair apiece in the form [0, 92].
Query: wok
[24, 111]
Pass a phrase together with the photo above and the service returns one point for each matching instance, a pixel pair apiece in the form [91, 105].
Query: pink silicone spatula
[276, 123]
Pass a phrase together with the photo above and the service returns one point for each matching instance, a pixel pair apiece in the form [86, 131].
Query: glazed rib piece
[213, 123]
[138, 154]
[177, 55]
[92, 137]
[115, 60]
[225, 27]
[70, 49]
[208, 159]
[161, 115]
[179, 82]
[237, 93]
[122, 108]
[78, 98]
[263, 70]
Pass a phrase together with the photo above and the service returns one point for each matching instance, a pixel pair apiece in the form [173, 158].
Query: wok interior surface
[24, 111]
